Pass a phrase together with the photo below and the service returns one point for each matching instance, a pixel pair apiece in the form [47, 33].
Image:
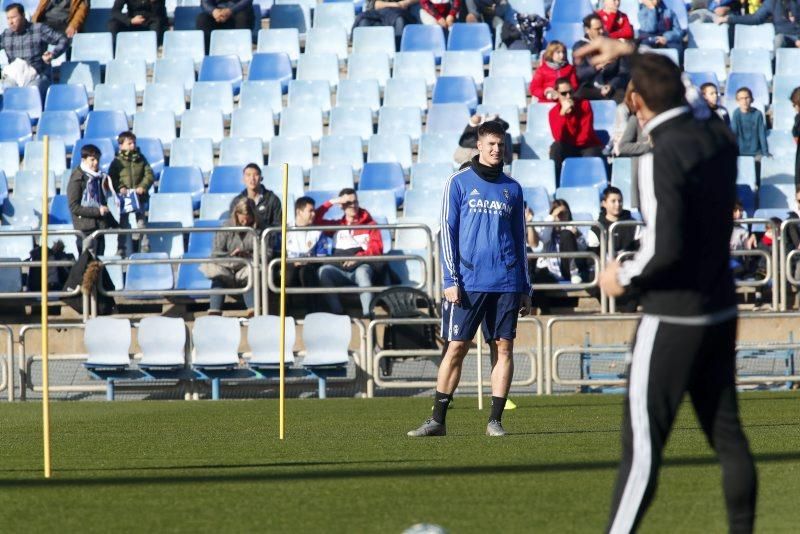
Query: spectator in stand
[468, 143]
[268, 205]
[785, 16]
[302, 244]
[236, 245]
[659, 26]
[130, 172]
[711, 95]
[599, 81]
[552, 67]
[86, 195]
[748, 125]
[224, 15]
[64, 16]
[615, 22]
[492, 12]
[364, 242]
[795, 98]
[141, 15]
[571, 123]
[441, 12]
[393, 13]
[741, 239]
[25, 44]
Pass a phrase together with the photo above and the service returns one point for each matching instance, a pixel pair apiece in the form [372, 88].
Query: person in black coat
[142, 15]
[87, 199]
[606, 81]
[268, 205]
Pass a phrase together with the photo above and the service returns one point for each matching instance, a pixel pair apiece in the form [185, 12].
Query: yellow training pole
[480, 369]
[282, 346]
[45, 348]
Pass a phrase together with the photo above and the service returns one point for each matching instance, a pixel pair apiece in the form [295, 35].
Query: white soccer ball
[425, 528]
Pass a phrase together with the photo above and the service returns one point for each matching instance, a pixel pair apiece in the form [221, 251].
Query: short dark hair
[125, 136]
[253, 166]
[302, 202]
[611, 190]
[587, 20]
[707, 85]
[738, 205]
[491, 128]
[657, 79]
[795, 96]
[90, 151]
[561, 80]
[745, 90]
[347, 191]
[19, 7]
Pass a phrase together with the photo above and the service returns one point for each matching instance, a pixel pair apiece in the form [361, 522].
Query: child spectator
[131, 174]
[572, 126]
[553, 66]
[748, 126]
[611, 211]
[711, 96]
[615, 21]
[741, 239]
[795, 98]
[441, 12]
[87, 199]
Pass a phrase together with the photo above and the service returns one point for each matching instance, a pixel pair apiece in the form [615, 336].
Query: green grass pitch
[347, 466]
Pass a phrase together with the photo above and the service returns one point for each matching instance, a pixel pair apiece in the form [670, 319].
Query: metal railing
[267, 275]
[786, 275]
[374, 378]
[8, 364]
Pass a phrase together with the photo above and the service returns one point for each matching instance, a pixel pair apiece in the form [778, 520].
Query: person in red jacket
[361, 242]
[615, 21]
[553, 66]
[571, 123]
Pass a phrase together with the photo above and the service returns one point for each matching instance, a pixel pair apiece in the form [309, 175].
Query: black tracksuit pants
[668, 360]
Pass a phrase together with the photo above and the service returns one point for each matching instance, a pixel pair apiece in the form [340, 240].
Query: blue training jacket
[483, 234]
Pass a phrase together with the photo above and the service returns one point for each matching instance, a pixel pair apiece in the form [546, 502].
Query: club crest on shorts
[506, 194]
[455, 329]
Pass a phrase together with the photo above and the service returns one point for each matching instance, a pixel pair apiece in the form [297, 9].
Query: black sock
[498, 405]
[440, 403]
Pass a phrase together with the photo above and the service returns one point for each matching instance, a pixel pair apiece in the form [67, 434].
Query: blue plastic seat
[568, 33]
[189, 275]
[9, 158]
[120, 97]
[776, 196]
[106, 124]
[360, 93]
[104, 144]
[153, 151]
[25, 99]
[757, 84]
[383, 176]
[222, 69]
[580, 199]
[28, 184]
[202, 243]
[271, 66]
[288, 16]
[285, 40]
[430, 176]
[400, 121]
[752, 60]
[747, 196]
[438, 147]
[62, 125]
[342, 149]
[194, 152]
[444, 118]
[708, 36]
[59, 210]
[538, 199]
[374, 39]
[535, 173]
[149, 277]
[96, 20]
[156, 124]
[475, 36]
[759, 36]
[15, 126]
[570, 11]
[369, 66]
[582, 172]
[403, 92]
[351, 121]
[505, 91]
[423, 37]
[456, 90]
[184, 44]
[92, 47]
[86, 73]
[698, 79]
[34, 156]
[418, 64]
[390, 148]
[216, 206]
[212, 96]
[331, 177]
[141, 45]
[291, 150]
[169, 210]
[232, 42]
[746, 171]
[68, 98]
[463, 63]
[322, 66]
[241, 151]
[182, 180]
[203, 123]
[185, 18]
[301, 121]
[604, 112]
[310, 93]
[325, 40]
[778, 169]
[225, 179]
[529, 6]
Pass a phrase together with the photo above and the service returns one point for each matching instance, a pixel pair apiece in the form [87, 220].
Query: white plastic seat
[203, 123]
[175, 71]
[241, 151]
[9, 158]
[327, 40]
[786, 61]
[141, 45]
[431, 176]
[17, 247]
[253, 122]
[759, 36]
[215, 206]
[379, 203]
[263, 336]
[286, 40]
[115, 97]
[782, 115]
[129, 70]
[420, 204]
[359, 93]
[400, 121]
[216, 341]
[157, 124]
[291, 150]
[92, 47]
[28, 184]
[162, 341]
[323, 66]
[262, 94]
[330, 177]
[326, 338]
[232, 42]
[301, 121]
[504, 91]
[34, 156]
[184, 43]
[22, 211]
[369, 39]
[164, 97]
[463, 63]
[752, 60]
[539, 121]
[709, 36]
[171, 208]
[390, 148]
[706, 60]
[212, 96]
[335, 15]
[342, 149]
[535, 173]
[196, 152]
[351, 121]
[511, 64]
[273, 180]
[438, 147]
[406, 92]
[369, 66]
[508, 112]
[420, 64]
[310, 93]
[107, 341]
[447, 118]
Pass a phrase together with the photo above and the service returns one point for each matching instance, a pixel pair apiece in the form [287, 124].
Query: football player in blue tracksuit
[486, 279]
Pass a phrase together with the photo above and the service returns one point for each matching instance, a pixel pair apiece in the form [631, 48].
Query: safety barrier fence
[791, 259]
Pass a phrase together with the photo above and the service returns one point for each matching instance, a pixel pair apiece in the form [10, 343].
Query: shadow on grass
[272, 476]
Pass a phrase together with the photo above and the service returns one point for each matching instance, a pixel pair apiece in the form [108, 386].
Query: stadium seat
[86, 73]
[475, 36]
[162, 340]
[22, 211]
[174, 71]
[746, 171]
[430, 176]
[202, 243]
[622, 177]
[511, 64]
[400, 121]
[784, 84]
[176, 179]
[746, 195]
[535, 173]
[25, 99]
[254, 122]
[581, 199]
[604, 112]
[156, 124]
[781, 145]
[34, 157]
[776, 196]
[310, 93]
[374, 39]
[115, 98]
[197, 152]
[271, 66]
[212, 96]
[185, 18]
[216, 341]
[10, 278]
[583, 172]
[141, 45]
[92, 47]
[241, 151]
[570, 11]
[173, 208]
[153, 151]
[786, 61]
[455, 90]
[401, 92]
[779, 169]
[288, 16]
[216, 206]
[106, 123]
[529, 6]
[283, 40]
[568, 33]
[301, 121]
[679, 8]
[184, 44]
[759, 36]
[504, 91]
[107, 341]
[225, 179]
[67, 98]
[15, 126]
[335, 15]
[379, 203]
[203, 123]
[438, 147]
[273, 180]
[390, 148]
[263, 332]
[421, 205]
[752, 60]
[63, 125]
[463, 63]
[323, 66]
[59, 210]
[708, 36]
[238, 43]
[668, 52]
[191, 278]
[164, 97]
[757, 84]
[698, 79]
[359, 93]
[222, 69]
[783, 115]
[291, 150]
[262, 95]
[107, 153]
[369, 66]
[149, 277]
[443, 118]
[351, 121]
[422, 37]
[509, 113]
[327, 40]
[534, 146]
[342, 149]
[383, 176]
[538, 200]
[3, 186]
[420, 64]
[16, 247]
[539, 121]
[331, 177]
[28, 183]
[9, 159]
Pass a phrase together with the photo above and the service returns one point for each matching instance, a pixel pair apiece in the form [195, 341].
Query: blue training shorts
[496, 312]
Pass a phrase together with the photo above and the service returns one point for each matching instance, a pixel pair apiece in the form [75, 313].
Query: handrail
[786, 276]
[8, 369]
